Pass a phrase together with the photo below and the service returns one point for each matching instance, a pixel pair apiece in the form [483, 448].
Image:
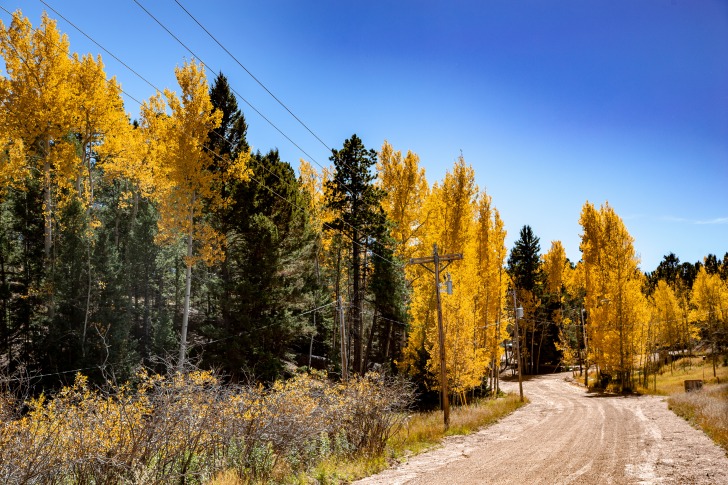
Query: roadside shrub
[186, 428]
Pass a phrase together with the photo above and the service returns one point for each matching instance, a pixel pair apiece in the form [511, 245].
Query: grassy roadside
[420, 432]
[706, 409]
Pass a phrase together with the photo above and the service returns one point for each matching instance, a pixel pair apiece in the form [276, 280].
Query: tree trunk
[188, 288]
[337, 290]
[387, 341]
[88, 300]
[4, 315]
[356, 303]
[48, 228]
[369, 343]
[47, 211]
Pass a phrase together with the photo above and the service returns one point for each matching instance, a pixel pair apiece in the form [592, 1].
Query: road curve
[566, 435]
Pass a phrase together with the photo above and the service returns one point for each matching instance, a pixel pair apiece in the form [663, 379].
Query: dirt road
[566, 435]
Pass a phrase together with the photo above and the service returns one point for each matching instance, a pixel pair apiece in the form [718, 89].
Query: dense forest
[162, 237]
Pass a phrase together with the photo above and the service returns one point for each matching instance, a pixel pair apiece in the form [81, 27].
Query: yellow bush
[162, 429]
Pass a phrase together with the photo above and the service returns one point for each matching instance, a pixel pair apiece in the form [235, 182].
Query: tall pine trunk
[356, 304]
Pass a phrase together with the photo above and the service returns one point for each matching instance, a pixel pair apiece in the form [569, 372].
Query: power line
[234, 91]
[251, 106]
[328, 226]
[100, 47]
[251, 74]
[261, 85]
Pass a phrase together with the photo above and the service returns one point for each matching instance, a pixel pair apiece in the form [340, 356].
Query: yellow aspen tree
[312, 184]
[405, 204]
[37, 99]
[329, 244]
[182, 171]
[60, 113]
[614, 301]
[575, 285]
[486, 259]
[555, 269]
[452, 206]
[574, 280]
[406, 186]
[98, 116]
[554, 265]
[710, 309]
[688, 330]
[666, 317]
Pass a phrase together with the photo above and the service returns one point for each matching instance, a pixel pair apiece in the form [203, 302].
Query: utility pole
[436, 258]
[586, 350]
[518, 312]
[344, 365]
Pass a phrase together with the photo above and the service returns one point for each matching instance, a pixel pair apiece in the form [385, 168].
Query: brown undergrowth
[190, 428]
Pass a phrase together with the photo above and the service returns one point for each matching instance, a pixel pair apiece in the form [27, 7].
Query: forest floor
[569, 435]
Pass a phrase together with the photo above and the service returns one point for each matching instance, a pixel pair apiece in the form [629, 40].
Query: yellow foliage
[406, 186]
[709, 299]
[190, 427]
[555, 267]
[180, 164]
[614, 301]
[460, 221]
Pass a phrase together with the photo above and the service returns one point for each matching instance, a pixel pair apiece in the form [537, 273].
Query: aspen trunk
[188, 288]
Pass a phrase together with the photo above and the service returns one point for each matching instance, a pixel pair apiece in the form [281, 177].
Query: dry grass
[671, 382]
[426, 429]
[707, 408]
[421, 432]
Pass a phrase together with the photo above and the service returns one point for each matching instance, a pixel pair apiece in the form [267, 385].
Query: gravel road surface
[566, 435]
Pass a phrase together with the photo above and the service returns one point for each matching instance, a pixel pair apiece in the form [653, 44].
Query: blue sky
[553, 103]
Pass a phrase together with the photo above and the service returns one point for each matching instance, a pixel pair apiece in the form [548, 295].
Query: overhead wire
[251, 74]
[234, 91]
[164, 27]
[237, 61]
[230, 54]
[328, 226]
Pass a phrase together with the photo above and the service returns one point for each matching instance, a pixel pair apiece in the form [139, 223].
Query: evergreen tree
[538, 333]
[230, 138]
[226, 143]
[22, 274]
[711, 264]
[524, 262]
[668, 270]
[389, 292]
[357, 205]
[270, 263]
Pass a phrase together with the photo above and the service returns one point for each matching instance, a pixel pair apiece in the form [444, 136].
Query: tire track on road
[566, 435]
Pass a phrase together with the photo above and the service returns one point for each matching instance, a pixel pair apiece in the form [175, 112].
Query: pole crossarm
[431, 259]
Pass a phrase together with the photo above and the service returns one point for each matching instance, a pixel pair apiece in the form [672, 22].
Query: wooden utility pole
[586, 350]
[436, 258]
[518, 312]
